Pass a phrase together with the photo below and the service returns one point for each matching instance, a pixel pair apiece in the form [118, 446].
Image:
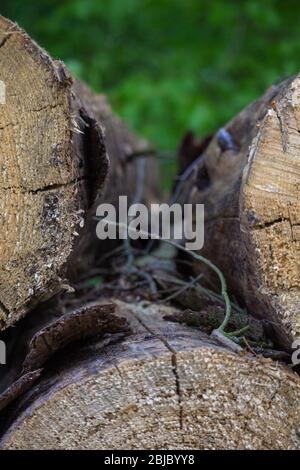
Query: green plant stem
[238, 332]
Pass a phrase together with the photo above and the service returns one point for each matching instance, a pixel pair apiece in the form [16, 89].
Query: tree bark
[248, 180]
[54, 171]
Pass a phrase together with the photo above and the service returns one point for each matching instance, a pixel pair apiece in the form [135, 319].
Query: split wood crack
[173, 352]
[49, 188]
[5, 39]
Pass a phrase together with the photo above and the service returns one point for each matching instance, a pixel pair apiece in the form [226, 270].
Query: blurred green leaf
[169, 65]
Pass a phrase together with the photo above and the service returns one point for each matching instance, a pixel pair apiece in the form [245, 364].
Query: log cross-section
[166, 386]
[44, 168]
[251, 195]
[55, 139]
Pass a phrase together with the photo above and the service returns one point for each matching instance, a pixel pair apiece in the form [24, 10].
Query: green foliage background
[169, 65]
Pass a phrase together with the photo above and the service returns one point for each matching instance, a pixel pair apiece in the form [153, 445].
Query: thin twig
[183, 289]
[196, 256]
[185, 175]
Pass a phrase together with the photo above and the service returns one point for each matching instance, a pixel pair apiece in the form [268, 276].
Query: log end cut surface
[270, 205]
[165, 387]
[42, 172]
[252, 207]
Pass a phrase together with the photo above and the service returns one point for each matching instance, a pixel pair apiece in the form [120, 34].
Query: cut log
[249, 181]
[164, 387]
[53, 166]
[133, 172]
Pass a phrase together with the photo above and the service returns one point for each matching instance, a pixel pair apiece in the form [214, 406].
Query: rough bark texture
[132, 172]
[165, 386]
[53, 165]
[248, 180]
